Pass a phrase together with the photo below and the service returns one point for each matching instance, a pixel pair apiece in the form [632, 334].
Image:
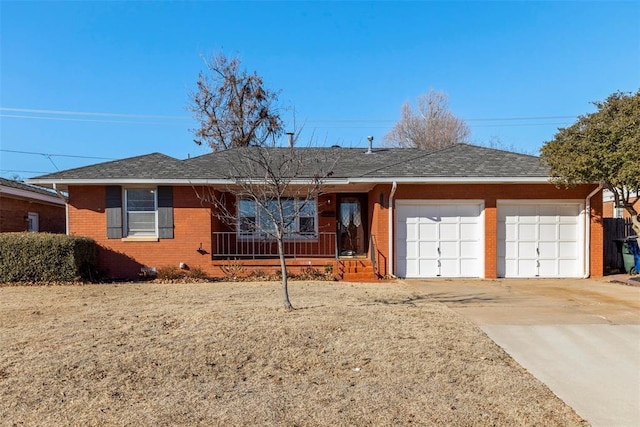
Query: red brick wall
[192, 226]
[490, 193]
[51, 218]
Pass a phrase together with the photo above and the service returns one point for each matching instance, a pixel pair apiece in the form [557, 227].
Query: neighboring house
[609, 208]
[463, 211]
[25, 207]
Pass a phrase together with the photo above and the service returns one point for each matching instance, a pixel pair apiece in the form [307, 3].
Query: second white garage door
[439, 239]
[540, 239]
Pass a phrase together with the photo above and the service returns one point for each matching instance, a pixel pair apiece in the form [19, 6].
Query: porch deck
[245, 254]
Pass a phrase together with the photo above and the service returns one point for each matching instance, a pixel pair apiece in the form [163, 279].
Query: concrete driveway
[579, 337]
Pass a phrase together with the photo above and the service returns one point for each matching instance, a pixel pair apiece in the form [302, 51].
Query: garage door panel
[566, 267]
[566, 250]
[428, 249]
[439, 238]
[449, 250]
[526, 232]
[469, 232]
[510, 232]
[548, 249]
[427, 268]
[469, 251]
[568, 232]
[427, 230]
[524, 250]
[448, 231]
[449, 268]
[548, 231]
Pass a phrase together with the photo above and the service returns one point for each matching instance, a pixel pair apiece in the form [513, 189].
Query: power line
[86, 113]
[56, 155]
[172, 117]
[71, 119]
[17, 170]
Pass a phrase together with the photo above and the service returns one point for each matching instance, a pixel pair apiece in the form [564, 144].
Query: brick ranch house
[28, 208]
[463, 211]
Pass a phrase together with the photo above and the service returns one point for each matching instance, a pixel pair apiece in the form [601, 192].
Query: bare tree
[431, 127]
[233, 107]
[277, 185]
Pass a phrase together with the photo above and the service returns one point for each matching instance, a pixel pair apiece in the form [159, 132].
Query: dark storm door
[352, 225]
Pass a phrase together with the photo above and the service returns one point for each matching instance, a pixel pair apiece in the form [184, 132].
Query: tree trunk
[636, 224]
[283, 268]
[635, 218]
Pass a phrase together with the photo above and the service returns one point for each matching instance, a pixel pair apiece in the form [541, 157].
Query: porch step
[360, 270]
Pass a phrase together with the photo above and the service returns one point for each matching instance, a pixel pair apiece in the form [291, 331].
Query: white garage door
[540, 239]
[439, 239]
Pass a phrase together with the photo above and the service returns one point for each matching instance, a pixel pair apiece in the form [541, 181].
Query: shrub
[174, 274]
[170, 273]
[45, 257]
[197, 273]
[233, 269]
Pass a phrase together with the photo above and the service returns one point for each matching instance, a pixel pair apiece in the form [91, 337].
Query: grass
[227, 354]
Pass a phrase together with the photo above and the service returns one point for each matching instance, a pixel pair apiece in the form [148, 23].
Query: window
[141, 208]
[33, 221]
[301, 216]
[139, 212]
[618, 212]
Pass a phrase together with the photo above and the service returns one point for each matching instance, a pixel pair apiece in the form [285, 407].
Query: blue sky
[515, 71]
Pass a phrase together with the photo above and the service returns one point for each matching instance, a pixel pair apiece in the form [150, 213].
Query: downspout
[587, 233]
[394, 186]
[66, 208]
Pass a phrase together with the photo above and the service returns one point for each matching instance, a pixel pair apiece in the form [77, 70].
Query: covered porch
[337, 238]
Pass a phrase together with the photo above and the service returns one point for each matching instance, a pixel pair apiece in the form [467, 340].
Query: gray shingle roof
[458, 161]
[26, 187]
[148, 166]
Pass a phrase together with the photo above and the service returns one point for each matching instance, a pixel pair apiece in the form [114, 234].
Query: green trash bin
[627, 256]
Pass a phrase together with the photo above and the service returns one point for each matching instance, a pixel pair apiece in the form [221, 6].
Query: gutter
[299, 181]
[66, 208]
[587, 234]
[394, 187]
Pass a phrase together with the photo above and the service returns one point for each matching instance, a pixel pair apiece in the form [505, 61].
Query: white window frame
[297, 235]
[33, 222]
[125, 207]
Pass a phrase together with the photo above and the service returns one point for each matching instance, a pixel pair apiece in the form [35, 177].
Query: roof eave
[63, 184]
[32, 195]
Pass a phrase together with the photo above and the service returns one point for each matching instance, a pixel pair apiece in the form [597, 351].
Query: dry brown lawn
[227, 354]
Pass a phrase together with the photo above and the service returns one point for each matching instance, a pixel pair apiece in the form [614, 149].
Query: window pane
[307, 207]
[141, 200]
[247, 208]
[266, 223]
[248, 224]
[141, 223]
[307, 225]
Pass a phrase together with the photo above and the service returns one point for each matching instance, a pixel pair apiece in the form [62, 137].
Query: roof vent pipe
[290, 138]
[370, 139]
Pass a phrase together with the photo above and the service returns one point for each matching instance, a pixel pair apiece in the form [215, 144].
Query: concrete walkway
[579, 337]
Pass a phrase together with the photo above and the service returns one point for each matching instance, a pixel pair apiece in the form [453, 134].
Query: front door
[352, 225]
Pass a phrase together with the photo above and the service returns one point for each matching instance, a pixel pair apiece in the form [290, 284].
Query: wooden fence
[615, 230]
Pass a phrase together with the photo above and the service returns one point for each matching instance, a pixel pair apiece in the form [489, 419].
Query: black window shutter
[165, 212]
[114, 212]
